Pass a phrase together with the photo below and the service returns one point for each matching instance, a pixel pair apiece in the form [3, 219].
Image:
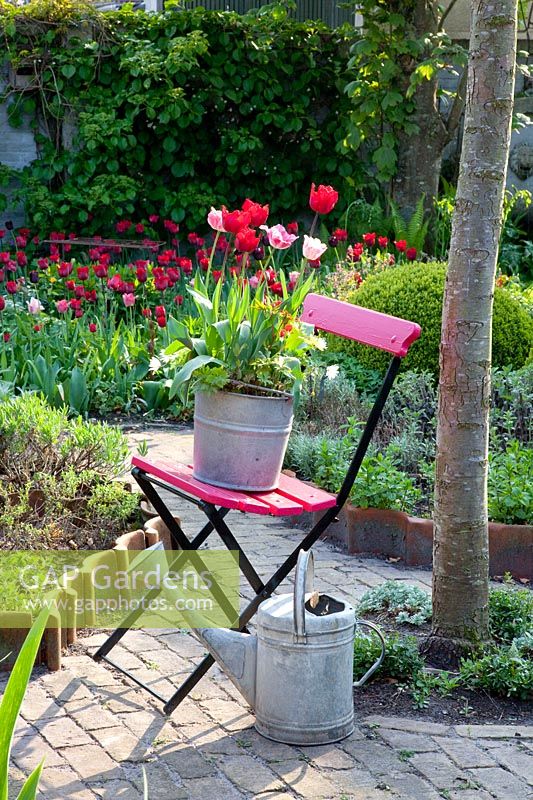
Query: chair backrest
[363, 325]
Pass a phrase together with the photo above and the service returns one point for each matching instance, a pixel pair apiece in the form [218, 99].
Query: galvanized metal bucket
[240, 440]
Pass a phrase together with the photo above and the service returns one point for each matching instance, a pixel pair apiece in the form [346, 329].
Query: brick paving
[96, 730]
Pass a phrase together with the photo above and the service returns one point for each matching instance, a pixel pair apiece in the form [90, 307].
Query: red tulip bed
[83, 320]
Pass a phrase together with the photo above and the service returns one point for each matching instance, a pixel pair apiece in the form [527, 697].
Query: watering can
[297, 673]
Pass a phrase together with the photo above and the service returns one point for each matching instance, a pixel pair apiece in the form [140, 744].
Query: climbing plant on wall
[139, 113]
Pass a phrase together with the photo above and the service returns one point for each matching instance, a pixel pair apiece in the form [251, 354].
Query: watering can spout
[237, 655]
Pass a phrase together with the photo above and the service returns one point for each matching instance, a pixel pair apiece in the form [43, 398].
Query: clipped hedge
[415, 291]
[176, 111]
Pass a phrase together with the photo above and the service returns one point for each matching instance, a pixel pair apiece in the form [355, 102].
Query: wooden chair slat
[362, 325]
[180, 476]
[311, 497]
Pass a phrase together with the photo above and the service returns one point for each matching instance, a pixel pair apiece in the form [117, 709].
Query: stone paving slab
[97, 731]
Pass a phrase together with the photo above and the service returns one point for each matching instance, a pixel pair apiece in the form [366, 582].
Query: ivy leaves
[172, 111]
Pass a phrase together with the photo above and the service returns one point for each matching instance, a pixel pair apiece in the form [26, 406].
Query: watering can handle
[303, 582]
[379, 662]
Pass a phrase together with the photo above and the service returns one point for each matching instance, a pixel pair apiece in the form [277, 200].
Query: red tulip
[258, 213]
[64, 269]
[246, 241]
[92, 327]
[410, 253]
[235, 221]
[2, 303]
[170, 226]
[82, 273]
[12, 287]
[324, 199]
[369, 239]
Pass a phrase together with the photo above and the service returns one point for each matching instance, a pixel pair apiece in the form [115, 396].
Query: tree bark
[420, 155]
[460, 551]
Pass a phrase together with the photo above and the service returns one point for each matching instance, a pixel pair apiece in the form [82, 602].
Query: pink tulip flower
[129, 299]
[278, 237]
[214, 219]
[313, 248]
[62, 306]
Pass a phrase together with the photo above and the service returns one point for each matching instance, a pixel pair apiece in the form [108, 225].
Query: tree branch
[458, 105]
[445, 14]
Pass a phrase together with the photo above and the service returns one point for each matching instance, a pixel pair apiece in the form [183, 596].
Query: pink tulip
[129, 299]
[34, 306]
[214, 219]
[253, 281]
[293, 276]
[62, 306]
[278, 237]
[313, 248]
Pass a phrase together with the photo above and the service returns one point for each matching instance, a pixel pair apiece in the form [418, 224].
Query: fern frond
[416, 223]
[398, 223]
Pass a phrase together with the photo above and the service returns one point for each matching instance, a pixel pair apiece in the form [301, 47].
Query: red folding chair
[292, 497]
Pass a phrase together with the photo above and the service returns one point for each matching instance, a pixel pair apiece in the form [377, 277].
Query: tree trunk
[460, 551]
[420, 154]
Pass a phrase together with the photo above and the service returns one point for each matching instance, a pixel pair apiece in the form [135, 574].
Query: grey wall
[17, 147]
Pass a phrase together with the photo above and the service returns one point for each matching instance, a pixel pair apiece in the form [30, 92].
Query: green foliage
[244, 340]
[57, 488]
[380, 484]
[10, 708]
[415, 291]
[400, 601]
[363, 380]
[35, 438]
[100, 372]
[388, 62]
[510, 613]
[512, 331]
[510, 485]
[177, 111]
[503, 671]
[515, 247]
[401, 661]
[414, 230]
[511, 404]
[325, 460]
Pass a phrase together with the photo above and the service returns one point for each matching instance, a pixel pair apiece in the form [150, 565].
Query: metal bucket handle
[303, 582]
[379, 662]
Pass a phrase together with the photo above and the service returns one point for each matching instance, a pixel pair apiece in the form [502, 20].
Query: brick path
[95, 730]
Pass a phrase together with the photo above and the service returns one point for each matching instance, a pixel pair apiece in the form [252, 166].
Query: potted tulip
[242, 358]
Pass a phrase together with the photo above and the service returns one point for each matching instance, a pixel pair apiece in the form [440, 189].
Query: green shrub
[399, 601]
[324, 460]
[35, 437]
[57, 488]
[380, 484]
[510, 613]
[511, 404]
[402, 659]
[510, 485]
[504, 671]
[415, 291]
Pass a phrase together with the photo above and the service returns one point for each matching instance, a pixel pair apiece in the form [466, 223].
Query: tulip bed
[83, 320]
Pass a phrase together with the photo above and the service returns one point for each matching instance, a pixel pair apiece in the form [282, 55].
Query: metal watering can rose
[297, 673]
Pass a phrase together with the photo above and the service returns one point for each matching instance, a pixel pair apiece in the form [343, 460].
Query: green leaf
[31, 786]
[183, 376]
[68, 70]
[14, 695]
